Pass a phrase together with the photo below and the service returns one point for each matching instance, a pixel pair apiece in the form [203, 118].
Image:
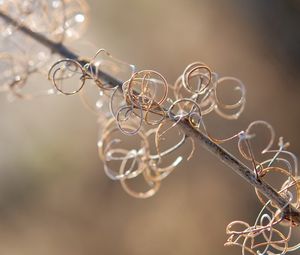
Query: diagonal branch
[289, 211]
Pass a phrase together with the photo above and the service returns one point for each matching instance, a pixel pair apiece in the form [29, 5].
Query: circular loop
[66, 69]
[129, 112]
[240, 104]
[292, 182]
[143, 89]
[154, 186]
[202, 72]
[184, 110]
[108, 152]
[246, 137]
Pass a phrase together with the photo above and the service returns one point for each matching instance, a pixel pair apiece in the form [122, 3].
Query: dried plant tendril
[144, 96]
[65, 70]
[196, 94]
[221, 108]
[147, 109]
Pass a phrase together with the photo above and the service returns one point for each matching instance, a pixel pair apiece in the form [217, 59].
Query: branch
[289, 211]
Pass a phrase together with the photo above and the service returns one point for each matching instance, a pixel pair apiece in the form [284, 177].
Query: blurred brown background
[54, 195]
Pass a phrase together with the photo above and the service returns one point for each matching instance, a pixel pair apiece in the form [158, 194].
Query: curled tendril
[203, 74]
[140, 158]
[245, 142]
[66, 69]
[145, 85]
[159, 137]
[128, 114]
[239, 106]
[284, 190]
[108, 152]
[104, 62]
[92, 68]
[205, 90]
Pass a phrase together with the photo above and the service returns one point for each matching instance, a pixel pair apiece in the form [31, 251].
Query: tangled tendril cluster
[272, 230]
[139, 109]
[147, 109]
[21, 57]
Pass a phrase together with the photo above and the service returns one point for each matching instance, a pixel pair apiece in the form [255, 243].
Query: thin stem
[289, 211]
